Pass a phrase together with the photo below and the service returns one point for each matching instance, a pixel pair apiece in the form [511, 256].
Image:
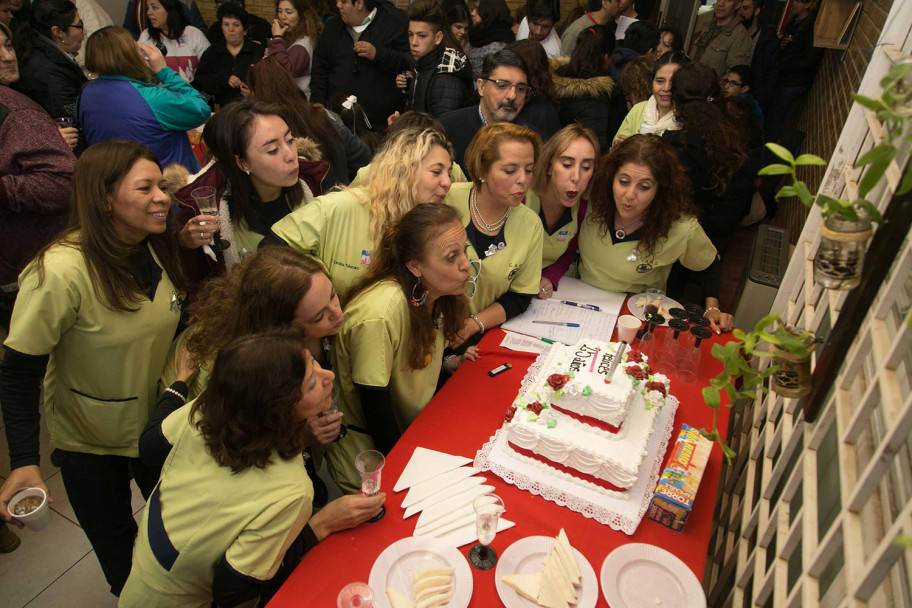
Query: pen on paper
[561, 323]
[578, 305]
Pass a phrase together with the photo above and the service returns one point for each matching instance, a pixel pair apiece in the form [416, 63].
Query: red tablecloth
[459, 420]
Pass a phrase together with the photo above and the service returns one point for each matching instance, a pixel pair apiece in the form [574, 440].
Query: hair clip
[350, 101]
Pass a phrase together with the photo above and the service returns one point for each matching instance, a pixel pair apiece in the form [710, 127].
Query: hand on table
[70, 135]
[198, 231]
[719, 321]
[345, 512]
[366, 50]
[323, 430]
[452, 363]
[545, 289]
[20, 479]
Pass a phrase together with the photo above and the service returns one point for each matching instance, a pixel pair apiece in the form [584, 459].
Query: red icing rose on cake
[535, 408]
[656, 386]
[511, 411]
[557, 381]
[635, 372]
[634, 356]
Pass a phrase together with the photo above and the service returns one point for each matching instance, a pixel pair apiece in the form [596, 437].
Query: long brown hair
[111, 51]
[309, 23]
[405, 241]
[96, 178]
[247, 409]
[672, 198]
[539, 73]
[227, 135]
[260, 293]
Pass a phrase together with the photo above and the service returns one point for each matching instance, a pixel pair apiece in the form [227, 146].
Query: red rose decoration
[635, 372]
[557, 381]
[656, 386]
[634, 356]
[647, 370]
[535, 408]
[511, 411]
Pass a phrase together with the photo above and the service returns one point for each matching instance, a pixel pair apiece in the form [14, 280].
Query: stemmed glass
[205, 202]
[647, 341]
[355, 595]
[488, 509]
[667, 357]
[369, 464]
[332, 409]
[690, 359]
[654, 299]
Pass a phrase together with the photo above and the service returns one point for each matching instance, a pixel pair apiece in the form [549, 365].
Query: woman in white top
[655, 115]
[180, 43]
[295, 33]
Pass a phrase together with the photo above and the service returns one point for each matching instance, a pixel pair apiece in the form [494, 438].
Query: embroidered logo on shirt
[644, 268]
[562, 235]
[365, 257]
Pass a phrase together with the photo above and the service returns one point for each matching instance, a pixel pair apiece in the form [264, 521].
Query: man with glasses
[724, 42]
[739, 83]
[503, 89]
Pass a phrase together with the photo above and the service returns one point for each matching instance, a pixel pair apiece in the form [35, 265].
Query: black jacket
[258, 30]
[799, 57]
[765, 63]
[586, 101]
[217, 65]
[52, 79]
[336, 69]
[441, 82]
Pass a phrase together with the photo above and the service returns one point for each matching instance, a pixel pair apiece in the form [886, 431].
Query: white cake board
[620, 513]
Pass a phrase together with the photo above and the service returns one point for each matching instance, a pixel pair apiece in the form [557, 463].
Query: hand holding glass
[369, 464]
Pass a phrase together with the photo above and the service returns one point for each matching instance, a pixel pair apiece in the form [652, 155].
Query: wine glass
[647, 341]
[653, 303]
[332, 409]
[667, 357]
[204, 196]
[369, 464]
[690, 359]
[355, 595]
[488, 509]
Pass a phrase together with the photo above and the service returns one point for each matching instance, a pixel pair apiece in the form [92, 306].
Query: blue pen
[578, 305]
[561, 323]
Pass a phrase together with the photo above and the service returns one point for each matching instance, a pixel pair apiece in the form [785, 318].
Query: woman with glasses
[656, 114]
[561, 185]
[48, 72]
[343, 228]
[505, 237]
[399, 319]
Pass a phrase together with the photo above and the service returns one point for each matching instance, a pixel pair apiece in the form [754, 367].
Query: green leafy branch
[735, 356]
[892, 109]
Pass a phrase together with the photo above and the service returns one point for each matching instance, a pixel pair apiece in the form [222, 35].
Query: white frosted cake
[581, 426]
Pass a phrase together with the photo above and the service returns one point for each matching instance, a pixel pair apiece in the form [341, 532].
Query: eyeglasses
[78, 26]
[474, 273]
[734, 83]
[505, 85]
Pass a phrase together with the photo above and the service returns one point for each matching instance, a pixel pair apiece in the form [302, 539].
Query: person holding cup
[231, 516]
[94, 318]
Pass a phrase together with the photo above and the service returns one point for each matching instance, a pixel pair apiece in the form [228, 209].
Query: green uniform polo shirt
[516, 267]
[169, 372]
[555, 243]
[372, 351]
[101, 380]
[605, 265]
[335, 228]
[206, 512]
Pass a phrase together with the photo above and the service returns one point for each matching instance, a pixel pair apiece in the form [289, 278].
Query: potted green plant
[739, 379]
[847, 224]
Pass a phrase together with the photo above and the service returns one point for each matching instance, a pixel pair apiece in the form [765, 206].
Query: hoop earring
[417, 301]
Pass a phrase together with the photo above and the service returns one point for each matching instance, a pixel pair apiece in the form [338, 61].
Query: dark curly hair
[672, 198]
[247, 409]
[699, 107]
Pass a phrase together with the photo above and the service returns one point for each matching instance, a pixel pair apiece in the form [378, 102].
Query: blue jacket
[156, 116]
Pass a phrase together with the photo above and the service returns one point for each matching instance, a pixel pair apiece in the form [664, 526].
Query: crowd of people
[198, 314]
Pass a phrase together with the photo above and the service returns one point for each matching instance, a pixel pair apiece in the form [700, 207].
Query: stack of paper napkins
[433, 588]
[441, 490]
[557, 586]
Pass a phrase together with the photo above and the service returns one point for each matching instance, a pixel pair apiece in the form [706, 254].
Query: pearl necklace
[476, 216]
[620, 233]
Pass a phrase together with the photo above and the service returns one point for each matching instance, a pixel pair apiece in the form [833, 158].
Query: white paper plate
[526, 556]
[395, 569]
[640, 311]
[638, 575]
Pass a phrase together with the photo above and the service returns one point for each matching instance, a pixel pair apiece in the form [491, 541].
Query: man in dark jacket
[361, 54]
[442, 77]
[764, 52]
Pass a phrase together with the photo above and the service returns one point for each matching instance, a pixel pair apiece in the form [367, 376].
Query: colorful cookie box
[678, 485]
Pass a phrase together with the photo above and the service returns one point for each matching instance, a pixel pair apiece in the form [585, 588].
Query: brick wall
[829, 102]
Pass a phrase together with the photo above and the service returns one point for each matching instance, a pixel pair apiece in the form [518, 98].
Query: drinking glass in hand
[488, 509]
[369, 464]
[332, 409]
[204, 196]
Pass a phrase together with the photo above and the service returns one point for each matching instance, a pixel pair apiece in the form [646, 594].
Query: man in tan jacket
[724, 43]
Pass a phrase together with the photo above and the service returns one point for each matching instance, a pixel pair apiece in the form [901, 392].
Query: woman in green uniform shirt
[343, 229]
[641, 222]
[227, 520]
[505, 237]
[97, 310]
[397, 323]
[559, 194]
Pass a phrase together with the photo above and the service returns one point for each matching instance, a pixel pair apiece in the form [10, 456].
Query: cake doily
[622, 512]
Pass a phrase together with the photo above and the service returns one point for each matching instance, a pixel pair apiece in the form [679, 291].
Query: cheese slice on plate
[561, 582]
[397, 600]
[549, 595]
[524, 584]
[441, 599]
[568, 558]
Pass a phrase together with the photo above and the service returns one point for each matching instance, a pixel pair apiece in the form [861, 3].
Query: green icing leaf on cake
[634, 381]
[531, 416]
[552, 424]
[571, 373]
[587, 390]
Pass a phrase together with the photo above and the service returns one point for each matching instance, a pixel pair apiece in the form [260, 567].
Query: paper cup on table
[627, 326]
[36, 519]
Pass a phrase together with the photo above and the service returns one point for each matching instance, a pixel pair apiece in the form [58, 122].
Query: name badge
[365, 257]
[562, 235]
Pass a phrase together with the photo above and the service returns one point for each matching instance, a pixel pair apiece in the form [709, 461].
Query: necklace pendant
[633, 256]
[620, 234]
